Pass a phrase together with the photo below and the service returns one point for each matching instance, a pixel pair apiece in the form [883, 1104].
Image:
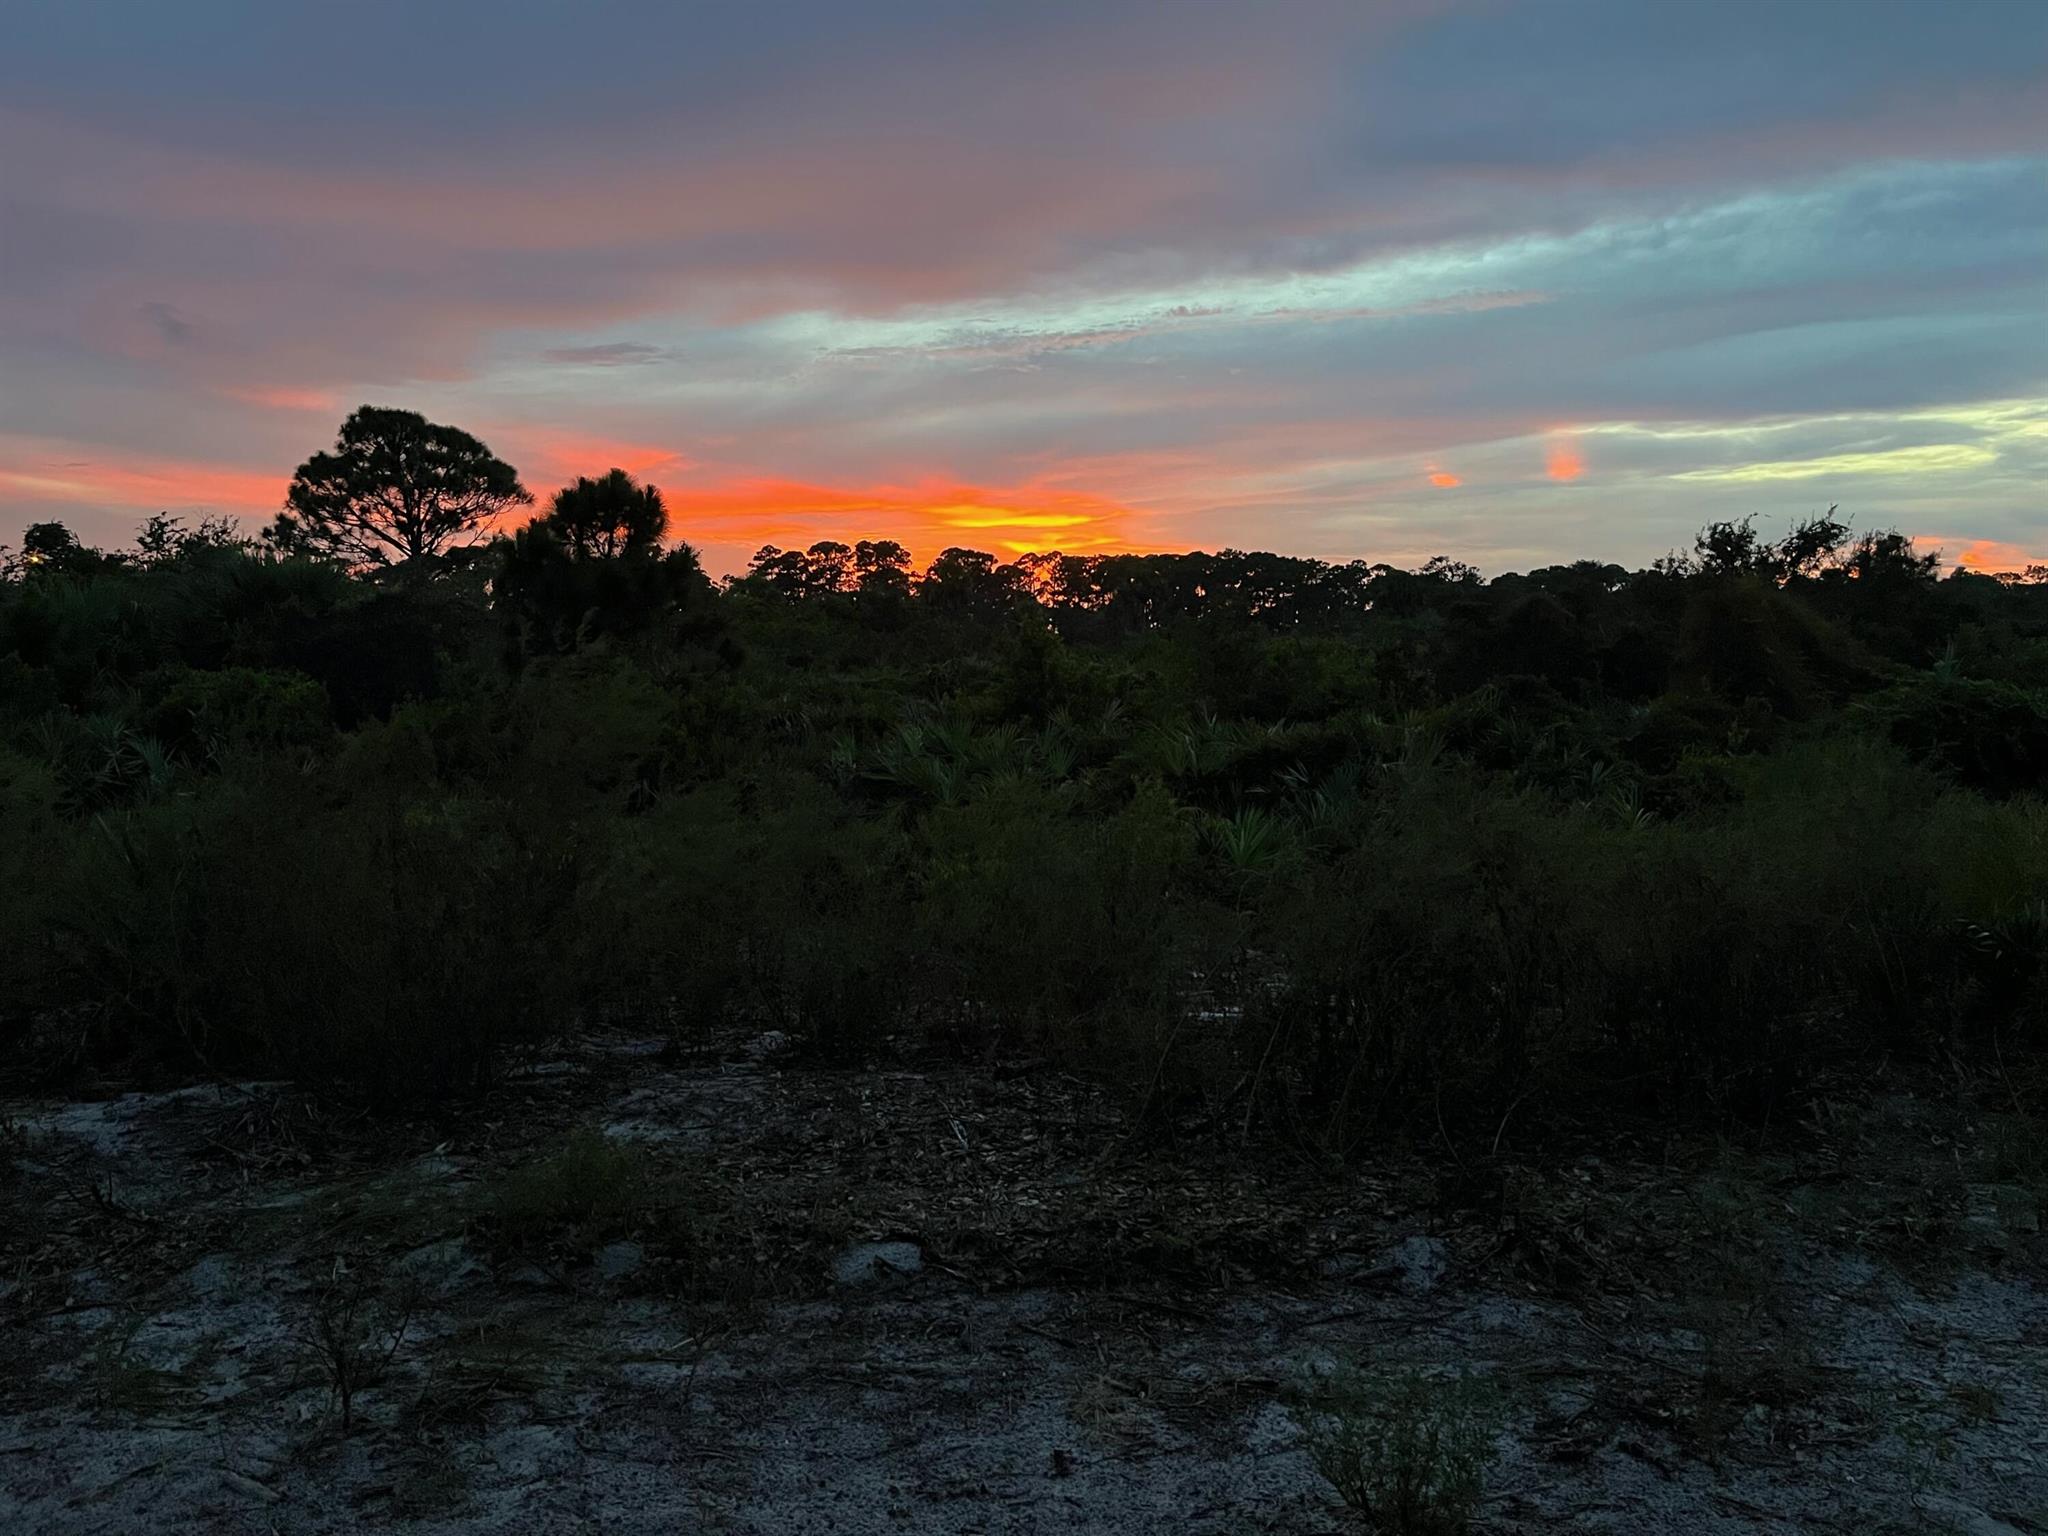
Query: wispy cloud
[1229, 274]
[1931, 458]
[606, 354]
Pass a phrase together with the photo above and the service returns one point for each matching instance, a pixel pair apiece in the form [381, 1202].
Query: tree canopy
[608, 517]
[593, 565]
[396, 488]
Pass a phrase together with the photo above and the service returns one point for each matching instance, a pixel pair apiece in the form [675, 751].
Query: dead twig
[343, 1341]
[251, 1487]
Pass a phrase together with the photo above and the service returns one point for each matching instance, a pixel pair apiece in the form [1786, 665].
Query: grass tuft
[1409, 1452]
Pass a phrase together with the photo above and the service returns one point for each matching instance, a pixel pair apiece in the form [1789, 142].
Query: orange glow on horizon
[1563, 462]
[1989, 557]
[925, 516]
[727, 520]
[998, 517]
[1444, 480]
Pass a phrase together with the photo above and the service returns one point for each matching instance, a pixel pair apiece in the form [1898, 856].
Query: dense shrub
[1294, 849]
[590, 1189]
[1990, 736]
[1061, 927]
[201, 716]
[394, 949]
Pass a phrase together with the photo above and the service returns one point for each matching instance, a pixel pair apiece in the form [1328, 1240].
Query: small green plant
[588, 1191]
[1408, 1451]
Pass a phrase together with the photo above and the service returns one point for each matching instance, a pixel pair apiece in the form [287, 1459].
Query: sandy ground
[960, 1302]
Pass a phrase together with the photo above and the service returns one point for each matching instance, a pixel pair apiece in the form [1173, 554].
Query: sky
[1514, 282]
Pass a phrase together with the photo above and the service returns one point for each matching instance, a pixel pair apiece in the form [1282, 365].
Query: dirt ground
[973, 1301]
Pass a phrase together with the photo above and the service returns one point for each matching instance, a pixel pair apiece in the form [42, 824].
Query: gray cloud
[1290, 254]
[173, 327]
[607, 354]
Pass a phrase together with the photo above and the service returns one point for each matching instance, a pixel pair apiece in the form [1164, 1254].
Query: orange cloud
[41, 469]
[1563, 462]
[548, 459]
[1444, 480]
[1989, 556]
[53, 470]
[289, 400]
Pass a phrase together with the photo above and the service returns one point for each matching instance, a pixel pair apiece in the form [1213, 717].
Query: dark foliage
[594, 565]
[1288, 848]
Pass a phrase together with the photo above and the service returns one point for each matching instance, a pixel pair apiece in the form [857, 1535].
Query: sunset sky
[1514, 282]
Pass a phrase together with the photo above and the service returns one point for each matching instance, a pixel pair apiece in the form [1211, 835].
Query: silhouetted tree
[1728, 549]
[52, 549]
[1889, 558]
[1811, 547]
[1137, 592]
[165, 537]
[396, 487]
[1456, 572]
[881, 569]
[608, 517]
[826, 569]
[968, 583]
[831, 566]
[775, 570]
[48, 543]
[1045, 576]
[1809, 551]
[593, 565]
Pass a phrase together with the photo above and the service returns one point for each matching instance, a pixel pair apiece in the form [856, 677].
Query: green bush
[35, 856]
[393, 949]
[768, 900]
[1061, 926]
[201, 716]
[1456, 945]
[1989, 736]
[590, 1190]
[1411, 966]
[1407, 1451]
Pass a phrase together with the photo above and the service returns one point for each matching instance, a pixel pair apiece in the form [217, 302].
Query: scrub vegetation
[1308, 853]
